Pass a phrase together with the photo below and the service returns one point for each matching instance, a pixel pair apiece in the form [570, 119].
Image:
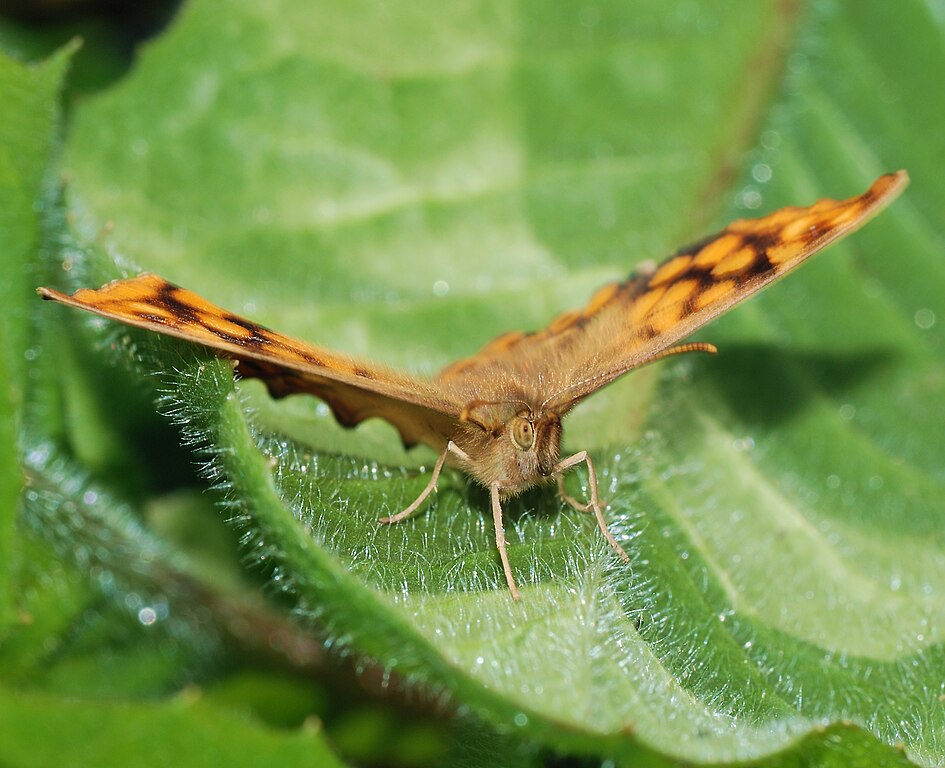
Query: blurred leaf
[28, 138]
[180, 732]
[404, 183]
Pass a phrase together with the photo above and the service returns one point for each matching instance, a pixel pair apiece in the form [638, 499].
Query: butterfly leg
[451, 447]
[594, 504]
[570, 500]
[500, 539]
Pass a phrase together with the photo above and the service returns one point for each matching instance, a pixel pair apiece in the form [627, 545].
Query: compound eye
[523, 433]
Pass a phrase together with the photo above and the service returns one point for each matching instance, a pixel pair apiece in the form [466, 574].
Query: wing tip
[49, 294]
[888, 186]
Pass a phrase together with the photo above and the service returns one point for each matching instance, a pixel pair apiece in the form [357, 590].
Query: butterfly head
[519, 444]
[536, 438]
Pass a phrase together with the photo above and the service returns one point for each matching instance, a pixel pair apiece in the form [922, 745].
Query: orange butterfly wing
[625, 325]
[628, 324]
[354, 390]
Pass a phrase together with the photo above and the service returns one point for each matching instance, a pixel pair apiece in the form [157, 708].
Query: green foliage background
[403, 182]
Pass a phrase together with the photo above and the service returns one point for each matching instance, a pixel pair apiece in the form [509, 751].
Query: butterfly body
[498, 414]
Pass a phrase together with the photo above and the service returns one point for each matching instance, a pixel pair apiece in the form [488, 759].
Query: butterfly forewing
[355, 390]
[627, 324]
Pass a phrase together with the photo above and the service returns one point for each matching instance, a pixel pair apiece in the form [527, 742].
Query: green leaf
[183, 731]
[406, 183]
[28, 138]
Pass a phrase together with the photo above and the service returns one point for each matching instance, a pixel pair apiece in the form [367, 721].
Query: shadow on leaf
[766, 384]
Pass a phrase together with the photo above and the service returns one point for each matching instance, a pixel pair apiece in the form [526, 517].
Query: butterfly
[498, 414]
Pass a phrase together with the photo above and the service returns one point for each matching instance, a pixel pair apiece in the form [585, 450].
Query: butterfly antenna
[466, 413]
[682, 349]
[575, 385]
